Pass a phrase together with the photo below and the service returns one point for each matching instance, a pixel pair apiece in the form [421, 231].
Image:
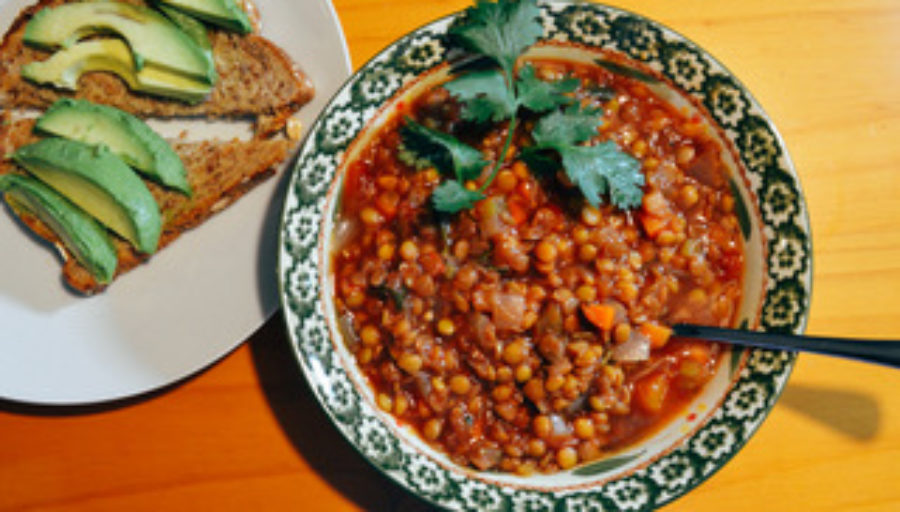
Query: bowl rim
[288, 253]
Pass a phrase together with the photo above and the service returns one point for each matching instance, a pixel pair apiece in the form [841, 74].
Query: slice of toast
[257, 80]
[219, 172]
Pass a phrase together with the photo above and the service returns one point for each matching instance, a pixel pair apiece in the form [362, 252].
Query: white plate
[194, 302]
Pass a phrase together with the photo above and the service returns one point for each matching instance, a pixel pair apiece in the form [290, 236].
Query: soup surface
[529, 333]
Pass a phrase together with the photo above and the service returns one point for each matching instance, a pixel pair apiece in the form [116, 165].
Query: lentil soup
[529, 333]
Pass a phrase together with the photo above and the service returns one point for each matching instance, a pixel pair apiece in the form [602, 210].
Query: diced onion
[509, 311]
[636, 348]
[486, 455]
[345, 324]
[559, 427]
[344, 230]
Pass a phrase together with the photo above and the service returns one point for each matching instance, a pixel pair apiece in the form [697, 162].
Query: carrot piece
[656, 213]
[432, 263]
[526, 191]
[650, 392]
[658, 334]
[601, 315]
[517, 211]
[653, 225]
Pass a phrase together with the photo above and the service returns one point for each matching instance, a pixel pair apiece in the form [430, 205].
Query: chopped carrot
[526, 191]
[517, 211]
[656, 213]
[432, 263]
[650, 392]
[601, 315]
[658, 334]
[653, 225]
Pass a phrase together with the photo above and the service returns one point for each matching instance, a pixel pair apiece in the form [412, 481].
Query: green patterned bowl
[777, 276]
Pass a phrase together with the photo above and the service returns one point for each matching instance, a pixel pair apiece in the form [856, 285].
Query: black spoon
[881, 352]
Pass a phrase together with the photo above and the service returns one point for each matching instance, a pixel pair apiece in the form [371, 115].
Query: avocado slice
[224, 13]
[85, 238]
[153, 39]
[127, 136]
[100, 183]
[191, 26]
[64, 68]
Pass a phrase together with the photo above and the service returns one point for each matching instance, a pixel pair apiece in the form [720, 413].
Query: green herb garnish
[501, 31]
[445, 152]
[598, 170]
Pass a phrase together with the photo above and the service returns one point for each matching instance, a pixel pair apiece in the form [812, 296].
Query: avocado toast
[219, 172]
[255, 79]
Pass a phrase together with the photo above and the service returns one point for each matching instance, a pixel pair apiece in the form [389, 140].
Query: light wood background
[247, 434]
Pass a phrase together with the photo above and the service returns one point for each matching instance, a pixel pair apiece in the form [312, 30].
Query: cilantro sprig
[450, 157]
[598, 170]
[501, 31]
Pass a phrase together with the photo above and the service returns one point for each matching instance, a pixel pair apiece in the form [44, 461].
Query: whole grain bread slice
[219, 172]
[257, 80]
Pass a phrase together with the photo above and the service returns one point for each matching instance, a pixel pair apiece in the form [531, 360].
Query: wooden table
[247, 434]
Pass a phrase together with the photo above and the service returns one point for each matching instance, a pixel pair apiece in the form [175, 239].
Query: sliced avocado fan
[126, 135]
[98, 181]
[152, 38]
[84, 237]
[64, 68]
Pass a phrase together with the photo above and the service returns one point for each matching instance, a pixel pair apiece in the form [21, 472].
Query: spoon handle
[882, 352]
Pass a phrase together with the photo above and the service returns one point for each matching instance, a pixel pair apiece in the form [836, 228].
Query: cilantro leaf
[598, 170]
[538, 161]
[568, 127]
[501, 30]
[604, 169]
[451, 197]
[484, 96]
[538, 95]
[446, 152]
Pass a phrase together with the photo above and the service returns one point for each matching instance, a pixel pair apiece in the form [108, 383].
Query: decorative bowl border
[770, 176]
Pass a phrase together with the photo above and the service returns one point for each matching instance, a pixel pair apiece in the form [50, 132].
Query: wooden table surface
[247, 433]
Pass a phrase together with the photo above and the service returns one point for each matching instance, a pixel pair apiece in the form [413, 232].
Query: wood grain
[247, 433]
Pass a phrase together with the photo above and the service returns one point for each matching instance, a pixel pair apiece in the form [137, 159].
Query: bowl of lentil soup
[508, 346]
